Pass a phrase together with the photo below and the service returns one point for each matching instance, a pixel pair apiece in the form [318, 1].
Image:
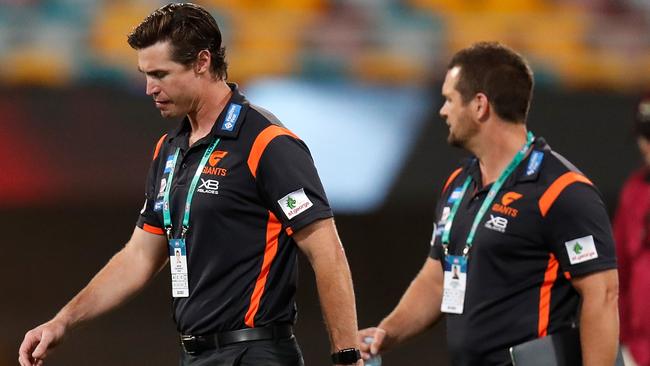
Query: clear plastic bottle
[374, 360]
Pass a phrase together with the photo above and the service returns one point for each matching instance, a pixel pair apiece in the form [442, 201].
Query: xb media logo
[497, 223]
[209, 186]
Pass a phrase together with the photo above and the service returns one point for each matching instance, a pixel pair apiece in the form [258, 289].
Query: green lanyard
[190, 193]
[488, 200]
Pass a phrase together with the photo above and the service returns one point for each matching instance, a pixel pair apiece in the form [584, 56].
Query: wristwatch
[348, 356]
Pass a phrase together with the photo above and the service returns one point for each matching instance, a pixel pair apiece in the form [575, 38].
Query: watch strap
[348, 356]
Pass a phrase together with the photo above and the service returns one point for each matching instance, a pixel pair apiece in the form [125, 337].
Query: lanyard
[488, 200]
[190, 193]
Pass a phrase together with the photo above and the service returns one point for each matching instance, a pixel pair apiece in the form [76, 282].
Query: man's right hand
[39, 341]
[142, 257]
[378, 336]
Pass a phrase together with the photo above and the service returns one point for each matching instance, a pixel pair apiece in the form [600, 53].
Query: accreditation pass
[178, 266]
[455, 280]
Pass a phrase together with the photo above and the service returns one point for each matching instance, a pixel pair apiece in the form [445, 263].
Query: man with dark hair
[632, 234]
[528, 232]
[235, 194]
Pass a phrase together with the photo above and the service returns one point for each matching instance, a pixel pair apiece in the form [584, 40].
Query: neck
[497, 148]
[207, 109]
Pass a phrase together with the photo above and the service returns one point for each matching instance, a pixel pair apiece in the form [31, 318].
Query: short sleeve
[290, 185]
[441, 216]
[149, 219]
[578, 231]
[443, 210]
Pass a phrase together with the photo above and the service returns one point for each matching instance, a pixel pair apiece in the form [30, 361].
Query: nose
[443, 111]
[152, 87]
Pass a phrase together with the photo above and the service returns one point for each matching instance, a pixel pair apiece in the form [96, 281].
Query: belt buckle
[189, 344]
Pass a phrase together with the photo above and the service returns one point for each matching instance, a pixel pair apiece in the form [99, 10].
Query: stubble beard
[454, 141]
[463, 134]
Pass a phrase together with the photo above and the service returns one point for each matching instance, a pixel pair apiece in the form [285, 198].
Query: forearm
[123, 276]
[599, 332]
[336, 295]
[599, 327]
[418, 309]
[320, 243]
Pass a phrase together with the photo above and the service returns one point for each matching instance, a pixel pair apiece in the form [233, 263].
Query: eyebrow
[151, 72]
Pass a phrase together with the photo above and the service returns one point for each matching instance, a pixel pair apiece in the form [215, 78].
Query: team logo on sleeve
[295, 203]
[581, 249]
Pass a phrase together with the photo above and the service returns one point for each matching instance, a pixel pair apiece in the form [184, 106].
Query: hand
[39, 341]
[378, 335]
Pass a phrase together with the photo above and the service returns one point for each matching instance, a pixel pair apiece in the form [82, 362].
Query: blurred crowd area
[579, 44]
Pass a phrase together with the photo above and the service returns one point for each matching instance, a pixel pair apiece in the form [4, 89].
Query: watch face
[347, 356]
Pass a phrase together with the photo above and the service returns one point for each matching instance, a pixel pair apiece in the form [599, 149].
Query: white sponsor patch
[295, 203]
[581, 249]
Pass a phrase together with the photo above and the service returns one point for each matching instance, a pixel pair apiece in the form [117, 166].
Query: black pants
[282, 352]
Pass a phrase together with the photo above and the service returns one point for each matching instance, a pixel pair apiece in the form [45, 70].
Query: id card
[178, 265]
[455, 279]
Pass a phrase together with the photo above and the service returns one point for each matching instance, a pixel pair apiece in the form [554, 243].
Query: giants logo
[506, 200]
[214, 159]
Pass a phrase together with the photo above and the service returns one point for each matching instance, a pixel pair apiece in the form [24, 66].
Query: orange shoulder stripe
[158, 145]
[545, 296]
[451, 178]
[261, 142]
[554, 190]
[273, 229]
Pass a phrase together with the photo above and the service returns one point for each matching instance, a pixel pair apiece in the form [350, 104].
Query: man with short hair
[632, 234]
[528, 232]
[235, 194]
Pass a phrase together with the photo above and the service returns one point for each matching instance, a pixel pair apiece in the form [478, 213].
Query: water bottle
[374, 360]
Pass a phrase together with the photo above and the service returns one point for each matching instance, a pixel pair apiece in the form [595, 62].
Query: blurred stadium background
[358, 80]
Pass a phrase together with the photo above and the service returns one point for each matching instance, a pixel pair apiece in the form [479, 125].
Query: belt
[194, 344]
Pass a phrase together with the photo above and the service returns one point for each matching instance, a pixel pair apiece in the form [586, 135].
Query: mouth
[161, 103]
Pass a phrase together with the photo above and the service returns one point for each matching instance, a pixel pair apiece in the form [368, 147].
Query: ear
[203, 60]
[481, 107]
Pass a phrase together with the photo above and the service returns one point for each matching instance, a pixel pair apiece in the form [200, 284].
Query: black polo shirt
[258, 187]
[547, 224]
